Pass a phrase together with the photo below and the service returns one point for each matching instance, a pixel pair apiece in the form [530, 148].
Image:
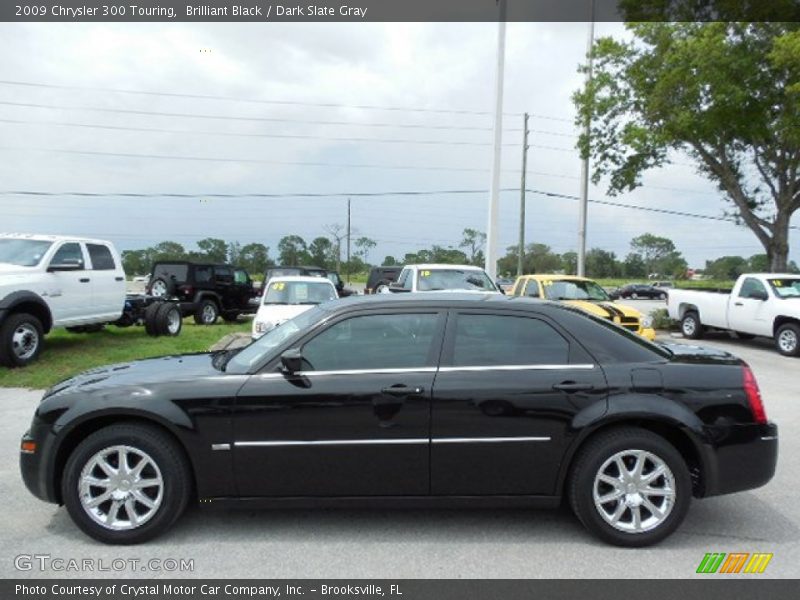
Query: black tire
[787, 339]
[691, 327]
[600, 450]
[634, 296]
[21, 339]
[151, 319]
[206, 313]
[662, 296]
[166, 455]
[168, 319]
[162, 288]
[230, 316]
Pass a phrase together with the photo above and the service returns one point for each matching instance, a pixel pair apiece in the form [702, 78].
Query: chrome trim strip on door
[454, 440]
[488, 440]
[367, 371]
[220, 446]
[514, 368]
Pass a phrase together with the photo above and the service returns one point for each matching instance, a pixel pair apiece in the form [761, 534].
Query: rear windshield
[299, 292]
[23, 253]
[785, 287]
[173, 272]
[429, 280]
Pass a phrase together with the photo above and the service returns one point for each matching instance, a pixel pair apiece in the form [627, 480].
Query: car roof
[51, 238]
[300, 279]
[446, 266]
[555, 277]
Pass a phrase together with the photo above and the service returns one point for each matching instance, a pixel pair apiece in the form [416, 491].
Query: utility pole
[494, 193]
[521, 251]
[348, 240]
[584, 207]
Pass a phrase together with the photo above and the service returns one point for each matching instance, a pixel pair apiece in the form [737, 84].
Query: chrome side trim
[398, 441]
[768, 438]
[514, 368]
[333, 442]
[366, 371]
[488, 440]
[220, 446]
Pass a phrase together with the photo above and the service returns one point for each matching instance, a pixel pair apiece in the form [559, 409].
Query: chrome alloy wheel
[634, 491]
[121, 488]
[25, 341]
[209, 314]
[689, 326]
[787, 341]
[174, 321]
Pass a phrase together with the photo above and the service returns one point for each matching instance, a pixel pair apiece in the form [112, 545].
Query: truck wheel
[206, 313]
[630, 487]
[168, 319]
[787, 339]
[691, 327]
[126, 483]
[151, 319]
[21, 337]
[161, 288]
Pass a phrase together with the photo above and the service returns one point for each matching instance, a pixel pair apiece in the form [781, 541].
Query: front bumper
[743, 459]
[647, 333]
[37, 467]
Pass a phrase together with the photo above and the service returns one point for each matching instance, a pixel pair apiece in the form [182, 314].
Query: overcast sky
[293, 69]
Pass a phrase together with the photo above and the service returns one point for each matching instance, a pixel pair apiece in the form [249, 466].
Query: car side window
[223, 275]
[494, 340]
[751, 286]
[240, 276]
[405, 280]
[69, 253]
[532, 289]
[202, 274]
[400, 341]
[102, 259]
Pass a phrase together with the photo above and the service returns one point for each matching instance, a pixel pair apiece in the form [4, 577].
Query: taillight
[754, 396]
[187, 290]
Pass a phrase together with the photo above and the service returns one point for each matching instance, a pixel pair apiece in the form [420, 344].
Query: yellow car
[586, 295]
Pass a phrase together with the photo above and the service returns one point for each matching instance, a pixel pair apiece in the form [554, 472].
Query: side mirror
[396, 287]
[292, 361]
[68, 264]
[759, 295]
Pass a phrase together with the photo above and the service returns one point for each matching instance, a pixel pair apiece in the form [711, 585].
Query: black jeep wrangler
[203, 290]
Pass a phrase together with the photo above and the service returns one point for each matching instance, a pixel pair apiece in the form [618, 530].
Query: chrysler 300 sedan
[408, 399]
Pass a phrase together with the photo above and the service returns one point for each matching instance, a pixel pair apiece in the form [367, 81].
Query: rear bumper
[743, 459]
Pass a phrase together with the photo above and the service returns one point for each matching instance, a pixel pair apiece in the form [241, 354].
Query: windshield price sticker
[278, 286]
[425, 273]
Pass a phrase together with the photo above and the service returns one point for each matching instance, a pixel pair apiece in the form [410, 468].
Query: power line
[129, 111]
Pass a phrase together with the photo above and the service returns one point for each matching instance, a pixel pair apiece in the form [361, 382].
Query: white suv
[49, 281]
[451, 278]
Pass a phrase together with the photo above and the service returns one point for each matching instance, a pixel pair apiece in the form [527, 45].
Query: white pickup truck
[760, 304]
[49, 281]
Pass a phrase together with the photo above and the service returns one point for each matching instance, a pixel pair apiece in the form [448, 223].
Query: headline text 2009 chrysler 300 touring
[408, 399]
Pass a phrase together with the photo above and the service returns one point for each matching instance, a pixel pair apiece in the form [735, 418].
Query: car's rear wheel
[690, 325]
[206, 313]
[151, 319]
[21, 337]
[634, 296]
[630, 487]
[168, 319]
[662, 296]
[787, 339]
[126, 483]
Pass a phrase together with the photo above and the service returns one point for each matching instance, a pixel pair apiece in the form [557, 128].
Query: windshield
[574, 289]
[23, 253]
[785, 288]
[299, 292]
[430, 280]
[251, 355]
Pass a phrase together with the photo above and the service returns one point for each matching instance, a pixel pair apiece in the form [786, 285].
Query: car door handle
[738, 304]
[119, 279]
[572, 386]
[402, 390]
[84, 280]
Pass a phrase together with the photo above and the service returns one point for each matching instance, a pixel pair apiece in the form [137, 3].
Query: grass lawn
[65, 354]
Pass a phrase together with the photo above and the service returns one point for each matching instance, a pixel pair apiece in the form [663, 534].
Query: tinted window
[406, 280]
[241, 276]
[223, 274]
[202, 274]
[750, 286]
[173, 272]
[485, 340]
[68, 253]
[102, 260]
[373, 342]
[453, 279]
[532, 289]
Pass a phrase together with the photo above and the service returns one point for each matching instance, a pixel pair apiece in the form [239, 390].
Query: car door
[748, 311]
[507, 389]
[69, 292]
[107, 281]
[354, 422]
[223, 285]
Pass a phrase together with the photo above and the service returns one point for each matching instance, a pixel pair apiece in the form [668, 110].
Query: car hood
[139, 373]
[605, 310]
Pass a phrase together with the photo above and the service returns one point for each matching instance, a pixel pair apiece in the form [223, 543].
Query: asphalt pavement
[425, 543]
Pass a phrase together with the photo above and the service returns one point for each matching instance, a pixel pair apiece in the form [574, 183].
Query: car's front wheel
[206, 313]
[787, 339]
[691, 327]
[630, 487]
[126, 483]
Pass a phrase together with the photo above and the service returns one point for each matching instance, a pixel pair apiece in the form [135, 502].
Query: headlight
[647, 322]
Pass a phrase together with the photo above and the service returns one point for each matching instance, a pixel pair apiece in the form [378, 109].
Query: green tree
[136, 262]
[254, 258]
[474, 241]
[727, 94]
[633, 266]
[320, 252]
[538, 258]
[364, 245]
[656, 252]
[569, 262]
[292, 250]
[168, 251]
[601, 263]
[213, 250]
[726, 267]
[390, 261]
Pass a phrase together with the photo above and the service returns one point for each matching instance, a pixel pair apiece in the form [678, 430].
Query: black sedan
[438, 399]
[639, 290]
